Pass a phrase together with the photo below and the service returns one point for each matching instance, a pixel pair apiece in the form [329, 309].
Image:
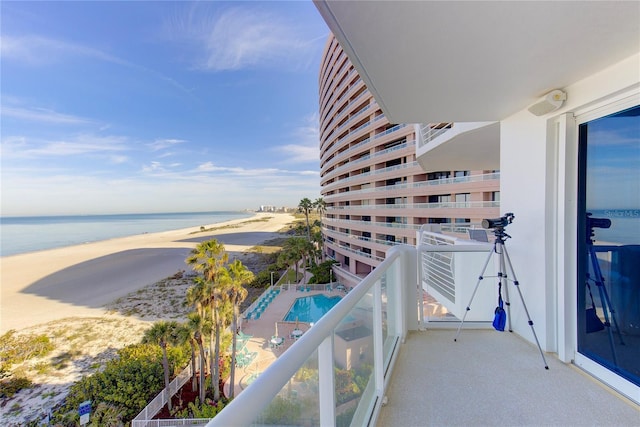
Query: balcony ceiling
[441, 61]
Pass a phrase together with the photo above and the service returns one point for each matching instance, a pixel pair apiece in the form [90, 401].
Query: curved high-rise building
[376, 193]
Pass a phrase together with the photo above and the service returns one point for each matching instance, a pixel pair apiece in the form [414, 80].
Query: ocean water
[27, 234]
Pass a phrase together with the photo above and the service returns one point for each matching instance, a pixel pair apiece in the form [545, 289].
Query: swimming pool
[311, 309]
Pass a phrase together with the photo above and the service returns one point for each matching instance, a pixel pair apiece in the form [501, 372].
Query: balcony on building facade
[438, 209]
[469, 146]
[485, 182]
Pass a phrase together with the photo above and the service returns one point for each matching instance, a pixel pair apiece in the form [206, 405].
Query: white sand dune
[80, 280]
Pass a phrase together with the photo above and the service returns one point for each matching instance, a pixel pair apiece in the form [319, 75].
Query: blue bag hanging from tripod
[500, 316]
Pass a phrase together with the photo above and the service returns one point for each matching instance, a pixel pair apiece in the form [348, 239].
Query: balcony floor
[492, 378]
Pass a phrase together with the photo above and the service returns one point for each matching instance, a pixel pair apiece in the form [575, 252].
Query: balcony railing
[346, 166]
[357, 341]
[361, 238]
[448, 269]
[349, 223]
[429, 132]
[357, 252]
[438, 205]
[376, 172]
[376, 154]
[344, 153]
[390, 130]
[344, 111]
[421, 184]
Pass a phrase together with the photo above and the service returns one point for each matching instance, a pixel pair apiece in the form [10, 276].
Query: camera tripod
[607, 308]
[504, 262]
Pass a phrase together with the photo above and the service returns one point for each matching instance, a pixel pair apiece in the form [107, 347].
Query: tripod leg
[486, 263]
[502, 274]
[604, 296]
[517, 285]
[607, 323]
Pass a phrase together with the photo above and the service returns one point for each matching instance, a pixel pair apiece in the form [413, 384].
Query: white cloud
[299, 153]
[243, 37]
[158, 187]
[36, 50]
[42, 115]
[161, 144]
[304, 146]
[153, 167]
[23, 147]
[250, 173]
[117, 159]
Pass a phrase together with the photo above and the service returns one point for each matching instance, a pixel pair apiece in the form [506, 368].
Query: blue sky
[119, 107]
[613, 159]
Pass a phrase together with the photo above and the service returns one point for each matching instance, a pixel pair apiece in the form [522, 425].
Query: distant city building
[376, 192]
[281, 209]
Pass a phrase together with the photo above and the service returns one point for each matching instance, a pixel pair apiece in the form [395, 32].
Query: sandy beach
[96, 298]
[78, 281]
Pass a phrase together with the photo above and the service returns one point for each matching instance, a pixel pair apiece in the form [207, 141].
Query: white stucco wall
[536, 166]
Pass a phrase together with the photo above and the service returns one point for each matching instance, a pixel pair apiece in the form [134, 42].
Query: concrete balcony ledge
[494, 378]
[466, 146]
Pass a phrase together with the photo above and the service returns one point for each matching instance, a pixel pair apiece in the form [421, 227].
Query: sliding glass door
[609, 242]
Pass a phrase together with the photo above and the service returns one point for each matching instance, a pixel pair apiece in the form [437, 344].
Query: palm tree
[286, 258]
[320, 205]
[306, 206]
[163, 333]
[197, 297]
[184, 335]
[238, 276]
[321, 208]
[208, 258]
[292, 250]
[195, 324]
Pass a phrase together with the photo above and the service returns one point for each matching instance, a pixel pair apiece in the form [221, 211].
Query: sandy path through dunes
[80, 280]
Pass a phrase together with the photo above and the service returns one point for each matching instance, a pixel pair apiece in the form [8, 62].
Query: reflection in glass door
[609, 242]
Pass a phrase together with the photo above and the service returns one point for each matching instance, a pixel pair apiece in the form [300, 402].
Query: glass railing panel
[353, 358]
[298, 402]
[334, 374]
[390, 298]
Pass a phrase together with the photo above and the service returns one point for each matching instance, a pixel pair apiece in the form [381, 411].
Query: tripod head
[595, 223]
[498, 225]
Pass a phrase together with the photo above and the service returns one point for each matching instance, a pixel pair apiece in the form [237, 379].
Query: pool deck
[264, 328]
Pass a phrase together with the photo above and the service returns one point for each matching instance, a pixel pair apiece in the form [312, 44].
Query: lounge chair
[244, 336]
[244, 358]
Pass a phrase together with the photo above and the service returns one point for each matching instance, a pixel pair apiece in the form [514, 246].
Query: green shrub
[17, 349]
[196, 410]
[321, 272]
[346, 388]
[126, 384]
[106, 415]
[261, 280]
[10, 386]
[282, 411]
